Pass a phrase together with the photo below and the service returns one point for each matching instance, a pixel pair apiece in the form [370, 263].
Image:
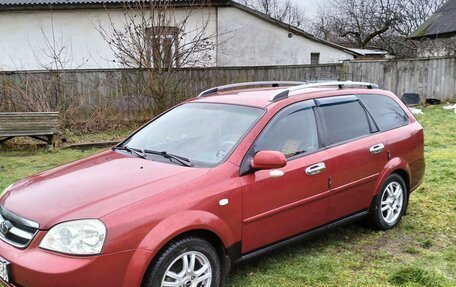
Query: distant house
[245, 37]
[438, 33]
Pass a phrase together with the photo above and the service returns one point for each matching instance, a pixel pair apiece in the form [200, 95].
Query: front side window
[344, 121]
[292, 132]
[202, 132]
[385, 111]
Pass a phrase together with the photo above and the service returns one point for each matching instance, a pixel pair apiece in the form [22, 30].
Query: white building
[36, 33]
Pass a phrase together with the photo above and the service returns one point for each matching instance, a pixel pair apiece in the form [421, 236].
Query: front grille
[16, 230]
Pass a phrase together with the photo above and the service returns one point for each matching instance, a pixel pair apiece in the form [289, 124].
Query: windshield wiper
[182, 160]
[136, 152]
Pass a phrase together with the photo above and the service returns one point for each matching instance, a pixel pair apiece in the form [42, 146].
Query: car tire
[200, 257]
[390, 204]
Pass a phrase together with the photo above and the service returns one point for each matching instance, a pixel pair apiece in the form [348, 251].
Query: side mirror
[268, 160]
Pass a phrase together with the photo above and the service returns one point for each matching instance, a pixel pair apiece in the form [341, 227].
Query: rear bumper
[34, 267]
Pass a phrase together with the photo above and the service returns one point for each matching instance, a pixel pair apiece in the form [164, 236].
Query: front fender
[168, 229]
[391, 166]
[183, 222]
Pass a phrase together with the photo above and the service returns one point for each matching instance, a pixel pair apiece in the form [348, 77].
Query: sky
[311, 6]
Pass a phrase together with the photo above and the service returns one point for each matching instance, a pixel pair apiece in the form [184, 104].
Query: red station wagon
[219, 179]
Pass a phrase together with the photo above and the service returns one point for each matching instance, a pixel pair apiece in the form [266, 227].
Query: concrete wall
[247, 40]
[29, 38]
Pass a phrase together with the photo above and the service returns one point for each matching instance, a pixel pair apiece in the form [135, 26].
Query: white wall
[24, 37]
[28, 38]
[441, 47]
[250, 41]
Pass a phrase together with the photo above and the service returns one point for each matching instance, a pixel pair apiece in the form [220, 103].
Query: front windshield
[204, 133]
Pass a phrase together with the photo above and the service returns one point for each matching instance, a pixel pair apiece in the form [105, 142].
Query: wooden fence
[118, 94]
[430, 78]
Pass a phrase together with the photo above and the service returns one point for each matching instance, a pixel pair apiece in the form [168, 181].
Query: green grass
[19, 164]
[421, 251]
[117, 134]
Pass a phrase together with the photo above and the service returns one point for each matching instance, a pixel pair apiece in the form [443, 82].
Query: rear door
[275, 208]
[404, 140]
[357, 154]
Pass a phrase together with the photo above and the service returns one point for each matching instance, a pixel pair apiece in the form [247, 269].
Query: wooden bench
[42, 126]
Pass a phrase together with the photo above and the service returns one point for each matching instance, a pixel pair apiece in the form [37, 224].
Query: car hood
[93, 187]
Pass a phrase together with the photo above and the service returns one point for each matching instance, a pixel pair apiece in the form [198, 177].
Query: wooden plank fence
[430, 78]
[118, 92]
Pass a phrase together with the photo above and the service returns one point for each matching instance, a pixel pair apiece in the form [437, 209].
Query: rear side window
[344, 121]
[385, 111]
[292, 132]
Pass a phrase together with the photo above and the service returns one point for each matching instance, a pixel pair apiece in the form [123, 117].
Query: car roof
[261, 97]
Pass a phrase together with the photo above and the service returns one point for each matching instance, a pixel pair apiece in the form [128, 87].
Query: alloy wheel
[392, 202]
[191, 269]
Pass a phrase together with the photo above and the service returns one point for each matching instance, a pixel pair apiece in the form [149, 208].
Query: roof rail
[341, 85]
[248, 84]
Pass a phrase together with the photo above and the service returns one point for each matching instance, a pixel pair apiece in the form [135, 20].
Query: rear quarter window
[385, 111]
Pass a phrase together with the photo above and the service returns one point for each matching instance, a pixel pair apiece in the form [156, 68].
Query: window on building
[344, 121]
[314, 58]
[163, 46]
[385, 111]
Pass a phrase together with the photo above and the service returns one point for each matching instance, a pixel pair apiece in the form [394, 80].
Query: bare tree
[160, 37]
[413, 13]
[282, 10]
[357, 22]
[54, 57]
[383, 24]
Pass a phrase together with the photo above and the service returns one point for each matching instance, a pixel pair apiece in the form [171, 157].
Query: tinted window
[386, 112]
[344, 121]
[292, 132]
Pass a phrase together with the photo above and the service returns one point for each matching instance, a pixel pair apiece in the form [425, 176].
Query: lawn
[420, 252]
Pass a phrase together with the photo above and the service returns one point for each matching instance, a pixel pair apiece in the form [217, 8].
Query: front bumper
[35, 267]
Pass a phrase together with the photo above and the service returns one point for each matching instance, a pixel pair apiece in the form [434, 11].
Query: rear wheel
[188, 262]
[390, 204]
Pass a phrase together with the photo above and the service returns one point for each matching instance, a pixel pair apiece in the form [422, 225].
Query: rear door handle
[378, 148]
[316, 168]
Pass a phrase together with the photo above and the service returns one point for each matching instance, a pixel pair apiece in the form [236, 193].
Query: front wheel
[390, 204]
[189, 262]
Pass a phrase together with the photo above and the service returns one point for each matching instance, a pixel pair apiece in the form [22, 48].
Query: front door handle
[316, 168]
[378, 148]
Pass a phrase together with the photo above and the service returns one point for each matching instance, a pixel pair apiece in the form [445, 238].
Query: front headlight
[5, 191]
[79, 237]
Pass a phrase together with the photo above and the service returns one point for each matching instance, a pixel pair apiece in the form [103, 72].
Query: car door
[357, 154]
[275, 208]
